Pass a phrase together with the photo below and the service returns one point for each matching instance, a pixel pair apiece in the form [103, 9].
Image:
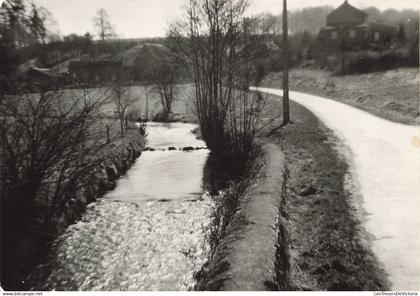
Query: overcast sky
[150, 18]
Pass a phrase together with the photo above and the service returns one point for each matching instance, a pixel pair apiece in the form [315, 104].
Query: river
[146, 234]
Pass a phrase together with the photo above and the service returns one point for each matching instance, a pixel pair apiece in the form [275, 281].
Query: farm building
[140, 62]
[134, 64]
[347, 28]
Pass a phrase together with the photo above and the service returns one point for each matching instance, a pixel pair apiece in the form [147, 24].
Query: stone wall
[246, 258]
[119, 159]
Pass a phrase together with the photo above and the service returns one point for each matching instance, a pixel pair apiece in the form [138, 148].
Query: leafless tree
[165, 81]
[122, 101]
[103, 26]
[214, 42]
[49, 144]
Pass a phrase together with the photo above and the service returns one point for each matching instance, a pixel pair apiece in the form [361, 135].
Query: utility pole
[286, 109]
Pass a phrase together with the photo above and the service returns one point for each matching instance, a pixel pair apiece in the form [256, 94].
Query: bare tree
[215, 44]
[122, 101]
[49, 145]
[165, 81]
[103, 26]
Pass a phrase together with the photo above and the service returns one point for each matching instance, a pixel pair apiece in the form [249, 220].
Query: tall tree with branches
[103, 26]
[215, 44]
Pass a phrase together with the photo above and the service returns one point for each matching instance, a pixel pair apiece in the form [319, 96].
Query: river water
[146, 234]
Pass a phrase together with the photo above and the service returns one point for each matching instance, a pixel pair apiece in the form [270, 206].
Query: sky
[150, 18]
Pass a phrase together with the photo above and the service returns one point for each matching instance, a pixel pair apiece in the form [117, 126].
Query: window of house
[377, 36]
[334, 35]
[352, 33]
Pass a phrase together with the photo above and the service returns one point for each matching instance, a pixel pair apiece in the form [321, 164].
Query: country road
[384, 180]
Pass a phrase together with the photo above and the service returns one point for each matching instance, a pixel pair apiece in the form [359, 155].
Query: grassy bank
[327, 248]
[393, 94]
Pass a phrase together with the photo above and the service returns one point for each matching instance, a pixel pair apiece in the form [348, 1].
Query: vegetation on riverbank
[227, 188]
[393, 95]
[54, 160]
[327, 249]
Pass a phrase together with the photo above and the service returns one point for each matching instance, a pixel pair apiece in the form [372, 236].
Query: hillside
[393, 95]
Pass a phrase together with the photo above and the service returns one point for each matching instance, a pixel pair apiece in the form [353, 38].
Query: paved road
[384, 160]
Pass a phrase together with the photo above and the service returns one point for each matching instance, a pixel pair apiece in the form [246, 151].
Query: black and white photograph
[210, 145]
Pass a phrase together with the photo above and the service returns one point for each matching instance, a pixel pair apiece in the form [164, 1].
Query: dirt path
[384, 159]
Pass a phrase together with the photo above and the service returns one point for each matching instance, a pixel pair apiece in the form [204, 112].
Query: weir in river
[146, 234]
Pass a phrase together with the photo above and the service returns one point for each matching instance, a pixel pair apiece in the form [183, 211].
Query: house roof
[363, 26]
[346, 13]
[44, 72]
[380, 25]
[156, 51]
[129, 56]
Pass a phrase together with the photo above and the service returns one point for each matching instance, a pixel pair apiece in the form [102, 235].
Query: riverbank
[243, 234]
[115, 159]
[393, 94]
[327, 248]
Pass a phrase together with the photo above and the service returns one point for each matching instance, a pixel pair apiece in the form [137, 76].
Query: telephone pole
[286, 109]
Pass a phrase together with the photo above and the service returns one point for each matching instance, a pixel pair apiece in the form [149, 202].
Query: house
[138, 63]
[348, 28]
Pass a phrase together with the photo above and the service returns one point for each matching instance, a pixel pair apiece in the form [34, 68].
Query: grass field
[141, 98]
[393, 95]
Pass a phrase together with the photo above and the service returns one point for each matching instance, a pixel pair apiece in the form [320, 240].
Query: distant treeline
[28, 37]
[311, 19]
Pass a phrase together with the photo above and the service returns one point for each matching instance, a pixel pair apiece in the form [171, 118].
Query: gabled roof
[345, 13]
[156, 51]
[129, 56]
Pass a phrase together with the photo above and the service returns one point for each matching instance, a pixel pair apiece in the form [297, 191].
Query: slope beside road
[384, 159]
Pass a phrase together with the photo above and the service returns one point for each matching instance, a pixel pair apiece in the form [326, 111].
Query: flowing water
[165, 174]
[146, 234]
